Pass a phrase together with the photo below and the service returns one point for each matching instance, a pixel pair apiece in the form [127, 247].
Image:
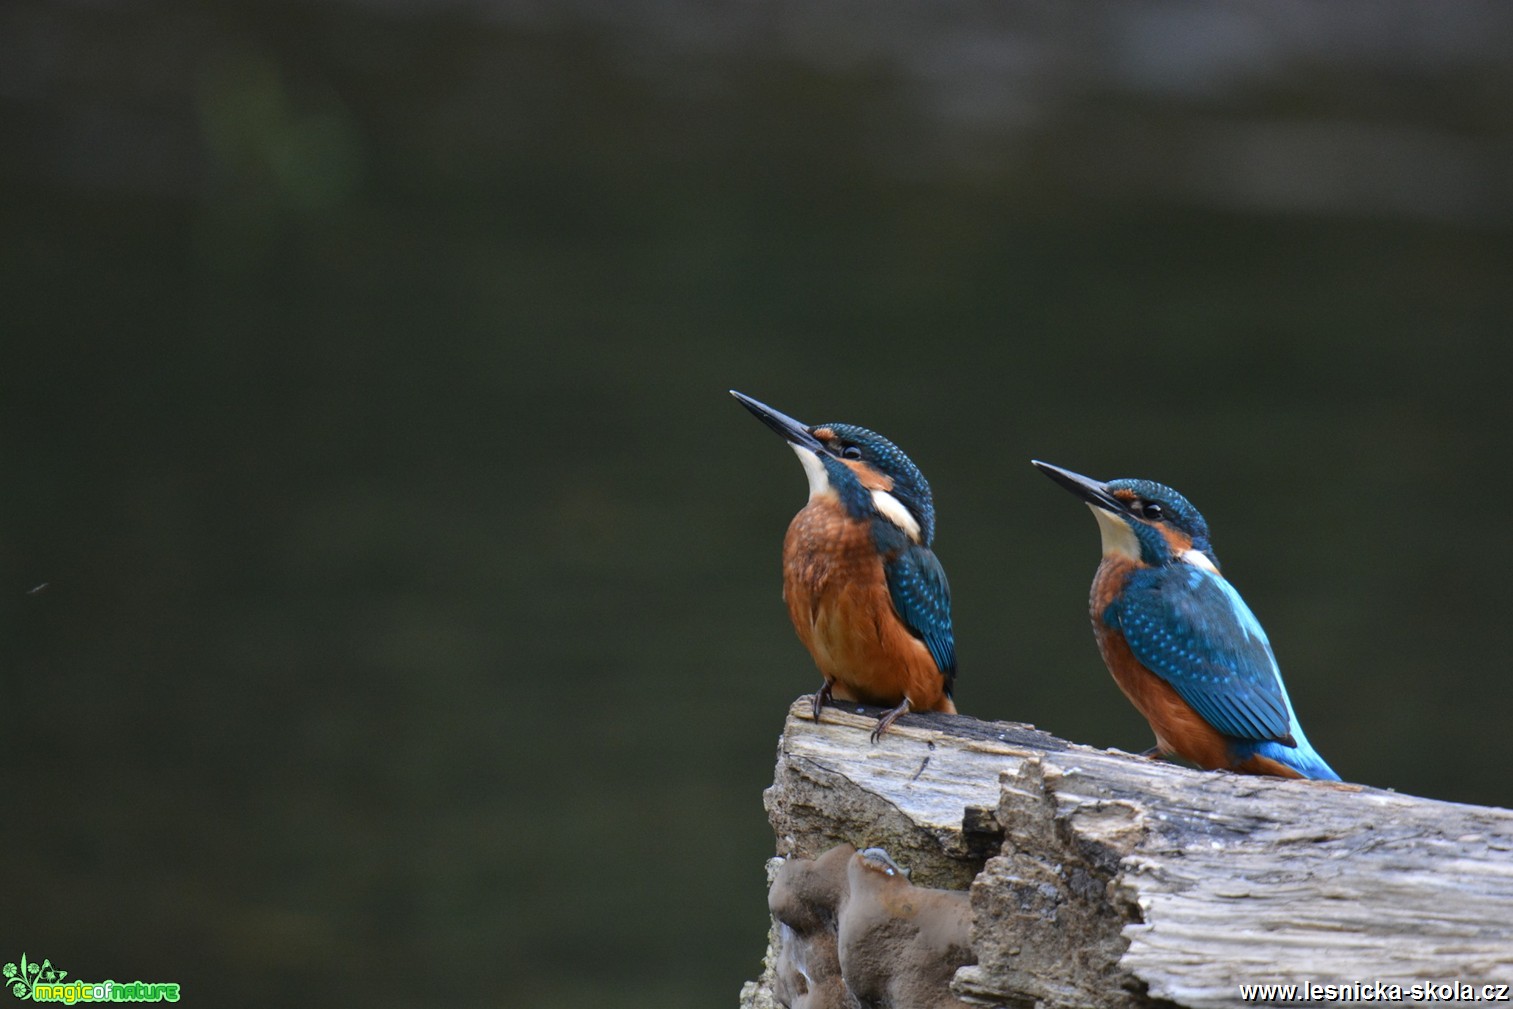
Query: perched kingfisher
[1180, 641]
[865, 593]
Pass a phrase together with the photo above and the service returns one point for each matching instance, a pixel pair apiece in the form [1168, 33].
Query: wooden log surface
[1098, 878]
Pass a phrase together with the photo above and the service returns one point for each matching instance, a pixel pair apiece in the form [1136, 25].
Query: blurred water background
[411, 632]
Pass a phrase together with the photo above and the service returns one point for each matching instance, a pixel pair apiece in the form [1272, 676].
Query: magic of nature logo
[42, 982]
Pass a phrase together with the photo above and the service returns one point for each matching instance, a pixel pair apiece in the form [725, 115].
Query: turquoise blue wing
[922, 596]
[1191, 628]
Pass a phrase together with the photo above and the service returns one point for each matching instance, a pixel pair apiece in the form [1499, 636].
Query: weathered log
[1101, 879]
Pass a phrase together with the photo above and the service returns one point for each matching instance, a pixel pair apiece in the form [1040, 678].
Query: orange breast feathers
[838, 599]
[1178, 728]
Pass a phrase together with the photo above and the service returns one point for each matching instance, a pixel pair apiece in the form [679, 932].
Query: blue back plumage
[1190, 627]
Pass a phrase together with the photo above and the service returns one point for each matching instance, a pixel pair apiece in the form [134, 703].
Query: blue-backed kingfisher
[864, 590]
[1180, 641]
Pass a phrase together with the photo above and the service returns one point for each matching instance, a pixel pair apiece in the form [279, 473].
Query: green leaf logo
[22, 978]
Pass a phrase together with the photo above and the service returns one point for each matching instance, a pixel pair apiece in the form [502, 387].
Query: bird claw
[889, 717]
[821, 698]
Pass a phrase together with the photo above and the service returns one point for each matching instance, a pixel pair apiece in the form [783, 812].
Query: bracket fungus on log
[856, 932]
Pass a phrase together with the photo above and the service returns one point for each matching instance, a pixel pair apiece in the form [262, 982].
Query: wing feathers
[1189, 627]
[922, 597]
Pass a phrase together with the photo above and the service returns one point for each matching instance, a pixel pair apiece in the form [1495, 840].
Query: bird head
[868, 473]
[1140, 519]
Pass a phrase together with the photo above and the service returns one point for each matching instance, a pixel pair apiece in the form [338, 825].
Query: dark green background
[412, 633]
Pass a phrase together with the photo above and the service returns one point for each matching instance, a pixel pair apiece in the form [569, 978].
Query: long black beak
[1092, 491]
[794, 431]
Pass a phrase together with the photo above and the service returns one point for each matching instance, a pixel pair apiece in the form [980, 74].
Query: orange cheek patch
[1177, 540]
[868, 477]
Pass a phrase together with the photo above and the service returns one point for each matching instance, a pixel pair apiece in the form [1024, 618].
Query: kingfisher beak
[793, 431]
[1094, 492]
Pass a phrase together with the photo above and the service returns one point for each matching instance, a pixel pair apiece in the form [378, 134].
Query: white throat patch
[892, 509]
[1118, 538]
[819, 480]
[888, 506]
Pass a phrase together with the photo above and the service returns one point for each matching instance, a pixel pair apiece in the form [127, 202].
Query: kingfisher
[866, 593]
[1180, 641]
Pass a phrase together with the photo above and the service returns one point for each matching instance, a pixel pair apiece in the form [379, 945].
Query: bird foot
[822, 698]
[889, 717]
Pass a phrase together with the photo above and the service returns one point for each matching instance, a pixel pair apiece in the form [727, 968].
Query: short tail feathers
[1300, 758]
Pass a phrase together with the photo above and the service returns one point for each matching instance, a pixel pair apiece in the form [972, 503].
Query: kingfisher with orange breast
[864, 590]
[1180, 641]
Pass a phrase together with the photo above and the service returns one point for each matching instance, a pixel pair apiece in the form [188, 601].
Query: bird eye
[851, 452]
[1152, 511]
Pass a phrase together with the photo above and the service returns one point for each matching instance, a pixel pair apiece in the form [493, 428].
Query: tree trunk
[1100, 879]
